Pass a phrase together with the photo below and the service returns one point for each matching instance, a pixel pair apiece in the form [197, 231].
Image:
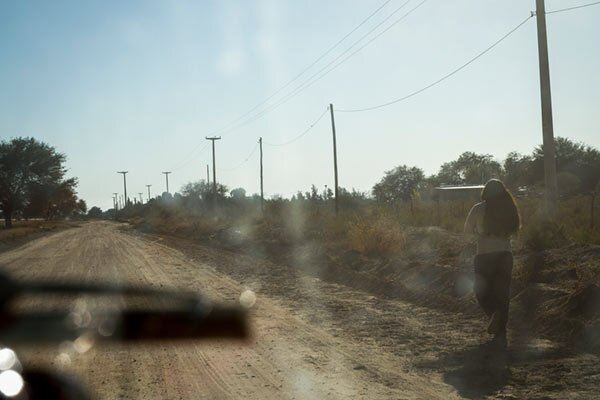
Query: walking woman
[493, 221]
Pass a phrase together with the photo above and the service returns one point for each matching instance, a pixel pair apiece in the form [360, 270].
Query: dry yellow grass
[23, 229]
[375, 236]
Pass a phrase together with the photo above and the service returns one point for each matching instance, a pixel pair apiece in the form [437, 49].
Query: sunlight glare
[11, 383]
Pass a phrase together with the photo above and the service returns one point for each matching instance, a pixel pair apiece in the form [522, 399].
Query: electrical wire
[300, 135]
[363, 46]
[192, 155]
[308, 81]
[463, 66]
[234, 125]
[243, 162]
[573, 8]
[306, 69]
[311, 80]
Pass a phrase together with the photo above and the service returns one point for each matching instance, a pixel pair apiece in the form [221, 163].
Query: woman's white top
[485, 243]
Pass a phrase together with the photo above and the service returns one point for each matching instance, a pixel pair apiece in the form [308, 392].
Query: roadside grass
[370, 229]
[23, 229]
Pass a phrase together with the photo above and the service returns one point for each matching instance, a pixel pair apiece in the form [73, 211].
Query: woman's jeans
[492, 284]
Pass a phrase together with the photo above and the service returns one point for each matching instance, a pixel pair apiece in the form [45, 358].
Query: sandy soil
[312, 338]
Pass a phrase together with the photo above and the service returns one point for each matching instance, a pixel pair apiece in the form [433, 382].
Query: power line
[363, 46]
[235, 125]
[306, 69]
[311, 80]
[573, 8]
[300, 135]
[308, 82]
[445, 76]
[243, 162]
[191, 155]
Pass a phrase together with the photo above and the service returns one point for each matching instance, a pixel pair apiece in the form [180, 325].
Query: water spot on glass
[66, 347]
[247, 298]
[464, 285]
[8, 359]
[107, 327]
[63, 360]
[83, 343]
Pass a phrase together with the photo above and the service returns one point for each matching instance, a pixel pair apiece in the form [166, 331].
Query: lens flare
[8, 359]
[11, 383]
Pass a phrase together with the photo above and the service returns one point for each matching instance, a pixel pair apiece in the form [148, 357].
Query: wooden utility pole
[149, 197]
[207, 175]
[550, 184]
[335, 168]
[262, 194]
[214, 163]
[124, 186]
[167, 178]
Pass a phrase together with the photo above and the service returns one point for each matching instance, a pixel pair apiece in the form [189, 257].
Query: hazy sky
[137, 85]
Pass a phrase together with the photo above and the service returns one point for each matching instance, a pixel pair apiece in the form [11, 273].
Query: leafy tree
[25, 164]
[577, 166]
[81, 206]
[399, 184]
[238, 193]
[352, 198]
[517, 170]
[470, 168]
[314, 193]
[202, 189]
[52, 199]
[95, 212]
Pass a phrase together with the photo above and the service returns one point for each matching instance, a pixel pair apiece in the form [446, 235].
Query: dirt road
[311, 339]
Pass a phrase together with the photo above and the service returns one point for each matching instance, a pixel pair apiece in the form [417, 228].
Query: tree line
[578, 167]
[578, 171]
[33, 182]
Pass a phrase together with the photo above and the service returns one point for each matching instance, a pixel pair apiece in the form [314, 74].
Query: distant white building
[464, 193]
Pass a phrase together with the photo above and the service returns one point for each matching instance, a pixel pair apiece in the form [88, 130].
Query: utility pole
[550, 184]
[124, 185]
[167, 178]
[214, 163]
[149, 197]
[141, 200]
[335, 168]
[207, 176]
[262, 194]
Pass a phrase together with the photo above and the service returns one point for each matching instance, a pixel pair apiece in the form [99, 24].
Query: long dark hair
[501, 217]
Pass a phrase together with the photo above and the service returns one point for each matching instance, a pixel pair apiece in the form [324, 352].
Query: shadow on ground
[479, 370]
[528, 368]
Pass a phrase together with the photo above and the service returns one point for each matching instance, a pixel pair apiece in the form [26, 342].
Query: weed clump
[543, 234]
[371, 237]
